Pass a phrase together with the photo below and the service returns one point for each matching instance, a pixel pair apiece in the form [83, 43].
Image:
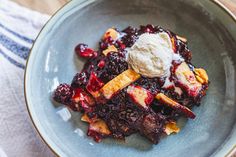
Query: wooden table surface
[43, 6]
[50, 6]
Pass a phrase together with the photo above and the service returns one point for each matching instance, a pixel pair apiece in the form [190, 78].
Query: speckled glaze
[211, 33]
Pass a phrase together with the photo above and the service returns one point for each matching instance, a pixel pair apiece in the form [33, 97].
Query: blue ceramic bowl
[211, 32]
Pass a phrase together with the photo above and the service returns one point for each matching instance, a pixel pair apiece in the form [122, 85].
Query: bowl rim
[43, 137]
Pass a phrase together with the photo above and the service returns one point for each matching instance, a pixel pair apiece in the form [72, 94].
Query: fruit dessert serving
[140, 80]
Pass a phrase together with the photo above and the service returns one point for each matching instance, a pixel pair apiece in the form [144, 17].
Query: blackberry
[80, 80]
[63, 93]
[129, 39]
[151, 84]
[115, 64]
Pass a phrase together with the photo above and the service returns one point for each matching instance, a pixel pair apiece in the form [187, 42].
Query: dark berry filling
[115, 64]
[63, 93]
[80, 80]
[122, 114]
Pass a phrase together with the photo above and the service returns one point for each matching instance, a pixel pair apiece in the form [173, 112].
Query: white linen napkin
[19, 27]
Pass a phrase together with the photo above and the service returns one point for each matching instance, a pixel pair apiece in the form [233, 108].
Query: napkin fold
[19, 27]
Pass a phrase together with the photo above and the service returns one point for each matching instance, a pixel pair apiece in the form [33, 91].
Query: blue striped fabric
[12, 60]
[19, 27]
[14, 47]
[16, 34]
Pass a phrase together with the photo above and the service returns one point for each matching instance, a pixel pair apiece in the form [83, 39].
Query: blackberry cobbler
[140, 80]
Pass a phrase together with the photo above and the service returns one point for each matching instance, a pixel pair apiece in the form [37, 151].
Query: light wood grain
[43, 6]
[51, 6]
[230, 4]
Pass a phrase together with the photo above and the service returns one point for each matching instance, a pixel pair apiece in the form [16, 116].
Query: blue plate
[211, 32]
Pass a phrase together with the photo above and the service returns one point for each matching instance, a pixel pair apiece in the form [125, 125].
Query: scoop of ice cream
[152, 55]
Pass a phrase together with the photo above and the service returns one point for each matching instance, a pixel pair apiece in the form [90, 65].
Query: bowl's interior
[209, 33]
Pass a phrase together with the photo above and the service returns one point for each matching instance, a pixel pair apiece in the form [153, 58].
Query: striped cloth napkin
[18, 28]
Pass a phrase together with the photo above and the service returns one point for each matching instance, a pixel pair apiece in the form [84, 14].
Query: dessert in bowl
[211, 38]
[140, 80]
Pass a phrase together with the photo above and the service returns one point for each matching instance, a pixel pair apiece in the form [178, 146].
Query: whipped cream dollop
[152, 55]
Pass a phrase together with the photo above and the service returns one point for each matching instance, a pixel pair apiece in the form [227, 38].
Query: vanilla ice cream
[152, 55]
